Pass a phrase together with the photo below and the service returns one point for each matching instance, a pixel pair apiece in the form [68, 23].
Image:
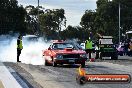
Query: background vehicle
[30, 38]
[64, 53]
[107, 48]
[83, 46]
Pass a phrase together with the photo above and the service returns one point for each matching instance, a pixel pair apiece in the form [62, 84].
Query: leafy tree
[12, 17]
[32, 18]
[75, 32]
[52, 21]
[88, 22]
[105, 19]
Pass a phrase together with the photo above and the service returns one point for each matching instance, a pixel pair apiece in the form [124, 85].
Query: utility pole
[119, 31]
[38, 20]
[119, 22]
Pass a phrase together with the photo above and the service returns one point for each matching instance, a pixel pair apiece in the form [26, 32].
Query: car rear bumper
[109, 54]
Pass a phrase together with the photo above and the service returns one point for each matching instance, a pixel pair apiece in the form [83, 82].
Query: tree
[52, 21]
[105, 19]
[88, 22]
[74, 32]
[12, 17]
[109, 14]
[32, 18]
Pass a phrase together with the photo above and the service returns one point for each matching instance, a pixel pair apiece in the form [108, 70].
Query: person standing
[88, 47]
[97, 49]
[126, 47]
[19, 47]
[130, 47]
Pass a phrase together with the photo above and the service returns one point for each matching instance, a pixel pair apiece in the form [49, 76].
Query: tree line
[52, 23]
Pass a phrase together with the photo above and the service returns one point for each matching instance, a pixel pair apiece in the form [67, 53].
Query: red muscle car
[64, 53]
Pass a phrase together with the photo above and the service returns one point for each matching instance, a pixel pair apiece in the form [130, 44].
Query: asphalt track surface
[40, 76]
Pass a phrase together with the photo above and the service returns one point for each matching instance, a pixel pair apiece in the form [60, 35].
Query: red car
[64, 53]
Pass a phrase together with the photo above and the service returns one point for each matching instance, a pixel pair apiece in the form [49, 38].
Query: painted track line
[7, 79]
[1, 85]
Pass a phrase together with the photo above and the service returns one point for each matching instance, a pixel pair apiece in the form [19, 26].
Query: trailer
[107, 48]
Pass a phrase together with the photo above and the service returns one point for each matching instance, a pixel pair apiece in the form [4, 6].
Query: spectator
[130, 48]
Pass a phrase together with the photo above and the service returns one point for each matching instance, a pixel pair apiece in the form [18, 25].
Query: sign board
[107, 37]
[106, 41]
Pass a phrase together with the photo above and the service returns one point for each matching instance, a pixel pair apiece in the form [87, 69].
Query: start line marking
[1, 85]
[6, 78]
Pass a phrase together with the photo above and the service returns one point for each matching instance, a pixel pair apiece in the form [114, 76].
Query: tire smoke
[31, 53]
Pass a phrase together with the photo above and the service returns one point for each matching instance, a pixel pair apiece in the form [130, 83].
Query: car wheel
[121, 53]
[54, 64]
[115, 57]
[46, 63]
[83, 64]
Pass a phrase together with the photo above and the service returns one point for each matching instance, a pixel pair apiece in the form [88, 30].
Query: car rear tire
[54, 64]
[83, 64]
[46, 63]
[121, 54]
[114, 57]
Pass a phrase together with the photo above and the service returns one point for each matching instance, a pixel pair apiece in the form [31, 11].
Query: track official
[88, 47]
[19, 47]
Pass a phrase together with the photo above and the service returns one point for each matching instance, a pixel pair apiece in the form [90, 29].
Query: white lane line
[7, 79]
[1, 84]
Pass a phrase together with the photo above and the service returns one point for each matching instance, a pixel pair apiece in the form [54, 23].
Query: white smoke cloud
[31, 53]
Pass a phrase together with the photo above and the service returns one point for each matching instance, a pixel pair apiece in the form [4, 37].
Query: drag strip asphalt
[65, 76]
[40, 76]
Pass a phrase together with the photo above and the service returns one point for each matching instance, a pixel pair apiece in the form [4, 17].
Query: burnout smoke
[31, 53]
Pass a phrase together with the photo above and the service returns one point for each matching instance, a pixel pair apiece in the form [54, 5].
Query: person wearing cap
[19, 47]
[88, 47]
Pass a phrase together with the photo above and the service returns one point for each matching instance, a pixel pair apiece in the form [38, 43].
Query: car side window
[53, 46]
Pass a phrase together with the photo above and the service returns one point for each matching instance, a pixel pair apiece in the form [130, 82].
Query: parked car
[83, 46]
